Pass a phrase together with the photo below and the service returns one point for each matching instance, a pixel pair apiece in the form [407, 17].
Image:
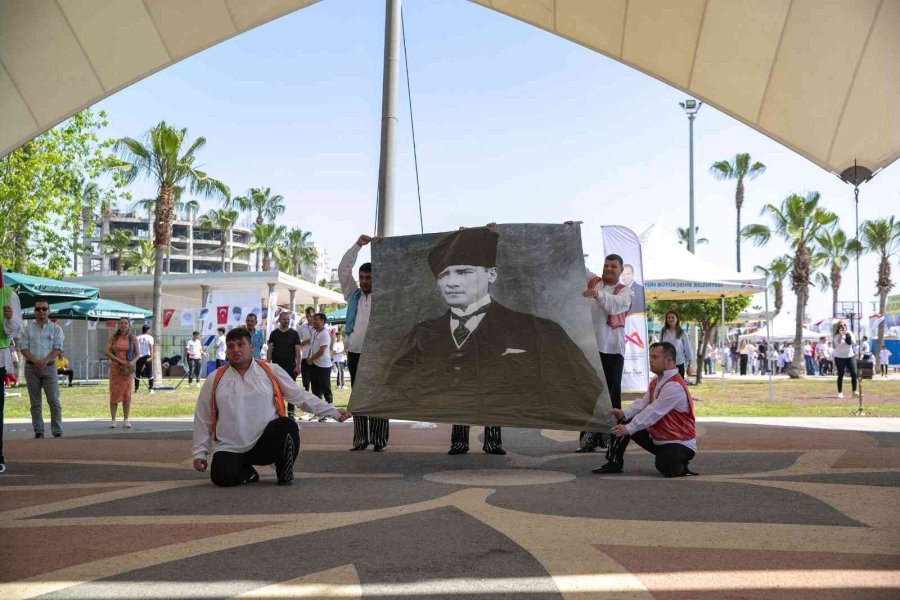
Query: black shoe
[582, 449]
[254, 477]
[359, 447]
[608, 469]
[39, 436]
[455, 451]
[378, 448]
[291, 415]
[498, 450]
[57, 434]
[2, 467]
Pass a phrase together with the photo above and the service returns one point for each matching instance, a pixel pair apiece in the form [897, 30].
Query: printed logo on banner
[634, 338]
[222, 315]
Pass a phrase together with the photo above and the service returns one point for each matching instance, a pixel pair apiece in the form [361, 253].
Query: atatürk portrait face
[462, 285]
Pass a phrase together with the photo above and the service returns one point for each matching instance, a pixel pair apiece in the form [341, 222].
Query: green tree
[798, 221]
[264, 204]
[165, 157]
[141, 258]
[268, 240]
[776, 272]
[300, 251]
[221, 220]
[832, 255]
[706, 314]
[684, 236]
[116, 244]
[39, 192]
[740, 170]
[882, 237]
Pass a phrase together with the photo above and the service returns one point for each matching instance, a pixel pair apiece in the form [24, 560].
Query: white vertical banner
[624, 242]
[271, 319]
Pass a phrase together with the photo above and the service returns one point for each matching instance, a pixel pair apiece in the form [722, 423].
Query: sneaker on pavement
[840, 395]
[126, 424]
[608, 469]
[2, 467]
[151, 390]
[112, 424]
[856, 392]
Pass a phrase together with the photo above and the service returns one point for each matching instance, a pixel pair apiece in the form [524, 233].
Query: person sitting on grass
[662, 422]
[241, 408]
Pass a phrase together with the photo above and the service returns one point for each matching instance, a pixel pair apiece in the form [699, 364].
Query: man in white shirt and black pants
[319, 360]
[611, 302]
[145, 351]
[662, 422]
[306, 331]
[242, 409]
[359, 307]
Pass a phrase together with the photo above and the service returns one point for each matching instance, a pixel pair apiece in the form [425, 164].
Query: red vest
[675, 425]
[614, 321]
[278, 397]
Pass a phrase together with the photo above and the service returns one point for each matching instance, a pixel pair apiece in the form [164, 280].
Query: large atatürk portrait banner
[483, 326]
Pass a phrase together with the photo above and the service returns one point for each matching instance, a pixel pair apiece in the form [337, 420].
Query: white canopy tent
[818, 77]
[782, 329]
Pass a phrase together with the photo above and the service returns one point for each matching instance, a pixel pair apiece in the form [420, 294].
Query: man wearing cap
[11, 327]
[489, 361]
[366, 429]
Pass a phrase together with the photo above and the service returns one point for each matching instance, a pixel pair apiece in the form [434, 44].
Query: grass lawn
[812, 397]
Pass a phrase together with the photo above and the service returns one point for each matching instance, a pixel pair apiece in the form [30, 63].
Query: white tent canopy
[819, 77]
[673, 273]
[783, 329]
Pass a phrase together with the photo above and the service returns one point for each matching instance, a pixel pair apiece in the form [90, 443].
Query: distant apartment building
[319, 271]
[192, 250]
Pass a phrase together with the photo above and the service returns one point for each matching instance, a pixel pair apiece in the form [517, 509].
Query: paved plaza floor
[782, 509]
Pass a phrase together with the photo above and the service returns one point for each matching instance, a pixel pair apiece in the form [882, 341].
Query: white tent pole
[87, 366]
[724, 337]
[769, 344]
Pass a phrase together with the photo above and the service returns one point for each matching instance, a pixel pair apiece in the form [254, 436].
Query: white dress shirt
[306, 332]
[220, 347]
[14, 328]
[246, 405]
[609, 340]
[644, 414]
[363, 308]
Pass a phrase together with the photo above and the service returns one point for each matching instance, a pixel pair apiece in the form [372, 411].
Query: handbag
[127, 369]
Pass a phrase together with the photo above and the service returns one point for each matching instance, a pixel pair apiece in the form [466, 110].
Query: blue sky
[512, 123]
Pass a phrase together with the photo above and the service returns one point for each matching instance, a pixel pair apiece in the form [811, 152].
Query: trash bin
[866, 369]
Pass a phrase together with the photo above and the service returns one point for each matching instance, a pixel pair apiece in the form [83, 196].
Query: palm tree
[832, 254]
[141, 258]
[742, 168]
[882, 237]
[684, 236]
[266, 206]
[159, 157]
[86, 195]
[221, 220]
[116, 244]
[775, 275]
[300, 251]
[188, 209]
[799, 221]
[269, 240]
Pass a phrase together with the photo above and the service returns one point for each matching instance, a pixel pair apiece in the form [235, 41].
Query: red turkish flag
[222, 315]
[167, 316]
[110, 324]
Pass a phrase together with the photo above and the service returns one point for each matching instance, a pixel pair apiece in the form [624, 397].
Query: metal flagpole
[769, 344]
[384, 225]
[724, 340]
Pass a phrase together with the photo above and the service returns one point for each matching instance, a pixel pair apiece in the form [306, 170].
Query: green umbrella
[30, 289]
[338, 317]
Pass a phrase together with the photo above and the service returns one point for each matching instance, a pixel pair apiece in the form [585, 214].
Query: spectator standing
[675, 335]
[884, 357]
[63, 368]
[220, 347]
[337, 350]
[40, 345]
[359, 307]
[726, 358]
[144, 366]
[319, 360]
[762, 356]
[744, 352]
[194, 353]
[788, 354]
[122, 350]
[808, 354]
[257, 337]
[306, 332]
[11, 327]
[284, 351]
[865, 349]
[844, 356]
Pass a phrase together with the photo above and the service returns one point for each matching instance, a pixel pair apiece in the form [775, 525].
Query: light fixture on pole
[691, 107]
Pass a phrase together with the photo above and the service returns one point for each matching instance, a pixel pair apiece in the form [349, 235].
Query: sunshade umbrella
[30, 289]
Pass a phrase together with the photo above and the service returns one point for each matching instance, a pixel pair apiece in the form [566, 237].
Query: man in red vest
[662, 422]
[242, 409]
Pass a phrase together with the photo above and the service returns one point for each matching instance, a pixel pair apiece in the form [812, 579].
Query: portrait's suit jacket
[638, 305]
[515, 368]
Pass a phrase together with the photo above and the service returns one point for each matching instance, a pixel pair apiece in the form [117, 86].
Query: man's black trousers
[613, 365]
[320, 381]
[366, 430]
[278, 444]
[671, 459]
[305, 376]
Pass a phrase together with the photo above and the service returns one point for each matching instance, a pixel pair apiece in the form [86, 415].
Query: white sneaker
[126, 424]
[112, 424]
[855, 393]
[840, 395]
[151, 391]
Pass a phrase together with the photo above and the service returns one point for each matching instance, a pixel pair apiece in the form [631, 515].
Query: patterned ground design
[778, 512]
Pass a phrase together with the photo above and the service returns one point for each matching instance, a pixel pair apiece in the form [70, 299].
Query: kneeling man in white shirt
[241, 408]
[662, 422]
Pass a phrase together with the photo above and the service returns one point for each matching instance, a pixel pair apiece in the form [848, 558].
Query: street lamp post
[691, 107]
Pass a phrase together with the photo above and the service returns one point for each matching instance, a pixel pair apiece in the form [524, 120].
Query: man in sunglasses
[41, 344]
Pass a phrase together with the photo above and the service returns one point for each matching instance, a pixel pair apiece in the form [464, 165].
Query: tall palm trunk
[162, 228]
[884, 288]
[800, 283]
[223, 249]
[739, 203]
[266, 261]
[835, 287]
